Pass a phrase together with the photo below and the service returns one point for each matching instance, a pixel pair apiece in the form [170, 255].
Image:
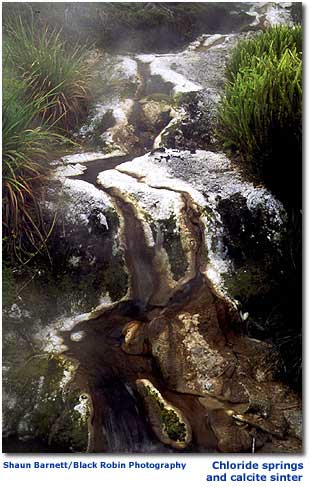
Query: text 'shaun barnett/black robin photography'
[152, 206]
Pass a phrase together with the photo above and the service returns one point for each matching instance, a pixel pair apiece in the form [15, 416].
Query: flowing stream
[119, 423]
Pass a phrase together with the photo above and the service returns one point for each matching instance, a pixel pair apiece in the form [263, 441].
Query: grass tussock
[45, 94]
[25, 145]
[50, 69]
[260, 116]
[273, 42]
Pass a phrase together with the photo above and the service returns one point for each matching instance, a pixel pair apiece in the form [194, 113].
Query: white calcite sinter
[207, 178]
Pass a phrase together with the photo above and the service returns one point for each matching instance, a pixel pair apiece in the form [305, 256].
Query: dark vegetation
[157, 26]
[132, 26]
[297, 12]
[260, 124]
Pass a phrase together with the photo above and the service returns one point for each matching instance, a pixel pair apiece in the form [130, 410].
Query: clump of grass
[264, 94]
[44, 60]
[45, 91]
[274, 41]
[260, 116]
[24, 149]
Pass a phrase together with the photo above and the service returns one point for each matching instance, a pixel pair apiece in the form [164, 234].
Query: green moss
[175, 429]
[47, 411]
[73, 426]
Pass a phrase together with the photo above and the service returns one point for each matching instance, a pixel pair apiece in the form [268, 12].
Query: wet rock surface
[85, 214]
[199, 354]
[44, 410]
[243, 222]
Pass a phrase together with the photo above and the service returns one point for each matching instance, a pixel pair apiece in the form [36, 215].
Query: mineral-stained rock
[168, 238]
[167, 421]
[190, 348]
[295, 423]
[275, 445]
[183, 235]
[231, 437]
[188, 361]
[221, 192]
[197, 354]
[134, 338]
[155, 115]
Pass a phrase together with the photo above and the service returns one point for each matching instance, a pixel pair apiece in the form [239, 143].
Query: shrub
[260, 115]
[50, 69]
